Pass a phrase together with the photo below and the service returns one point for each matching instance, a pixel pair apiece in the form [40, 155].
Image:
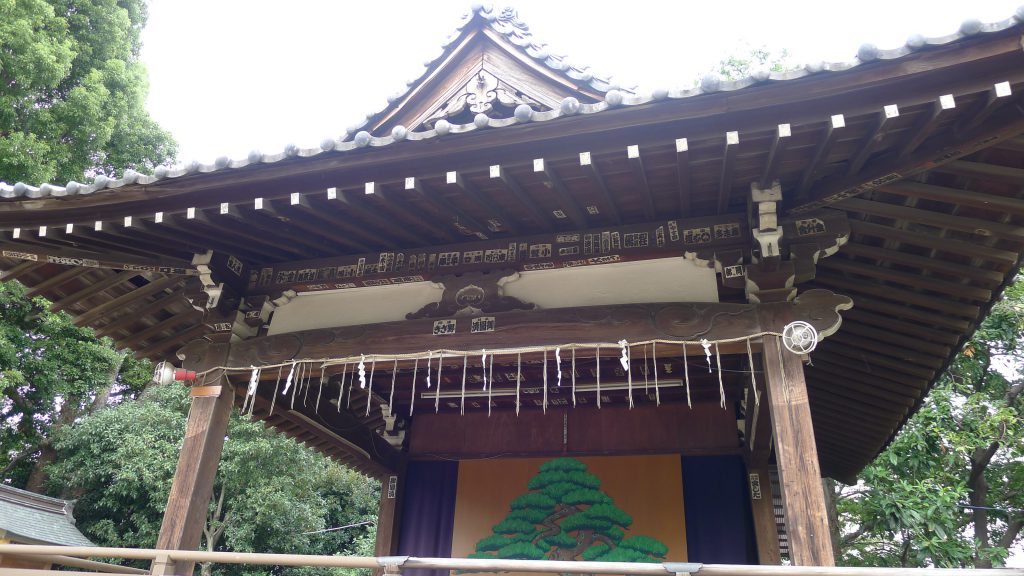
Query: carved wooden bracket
[471, 294]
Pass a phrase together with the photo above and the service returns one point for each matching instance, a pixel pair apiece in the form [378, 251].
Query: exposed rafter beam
[591, 170]
[460, 220]
[1000, 127]
[984, 171]
[177, 339]
[937, 219]
[870, 143]
[131, 316]
[947, 307]
[934, 242]
[19, 270]
[109, 282]
[471, 192]
[683, 177]
[568, 204]
[57, 280]
[996, 97]
[940, 111]
[636, 163]
[992, 277]
[775, 153]
[390, 199]
[835, 124]
[499, 173]
[355, 203]
[1000, 204]
[923, 282]
[732, 145]
[153, 287]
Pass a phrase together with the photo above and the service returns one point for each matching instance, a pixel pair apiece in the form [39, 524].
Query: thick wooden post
[387, 516]
[796, 454]
[759, 481]
[192, 489]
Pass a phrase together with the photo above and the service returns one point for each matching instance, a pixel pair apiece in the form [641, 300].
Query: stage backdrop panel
[621, 508]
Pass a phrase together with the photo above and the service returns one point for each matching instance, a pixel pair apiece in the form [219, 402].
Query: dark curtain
[428, 511]
[719, 522]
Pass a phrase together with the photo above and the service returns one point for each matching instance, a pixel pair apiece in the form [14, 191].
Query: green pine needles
[566, 516]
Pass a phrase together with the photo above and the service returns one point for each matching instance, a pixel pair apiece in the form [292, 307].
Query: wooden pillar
[192, 489]
[759, 481]
[796, 456]
[388, 515]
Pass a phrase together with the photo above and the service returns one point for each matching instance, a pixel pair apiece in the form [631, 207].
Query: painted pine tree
[566, 516]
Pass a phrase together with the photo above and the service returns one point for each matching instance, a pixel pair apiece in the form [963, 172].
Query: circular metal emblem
[799, 337]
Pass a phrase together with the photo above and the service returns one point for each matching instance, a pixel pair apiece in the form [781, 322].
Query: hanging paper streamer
[519, 372]
[437, 390]
[558, 365]
[321, 390]
[298, 383]
[597, 356]
[544, 402]
[657, 389]
[490, 369]
[624, 360]
[646, 370]
[303, 382]
[277, 383]
[574, 376]
[412, 400]
[341, 389]
[686, 377]
[430, 356]
[707, 352]
[351, 385]
[462, 395]
[288, 381]
[250, 393]
[369, 386]
[753, 378]
[391, 397]
[721, 387]
[362, 372]
[483, 364]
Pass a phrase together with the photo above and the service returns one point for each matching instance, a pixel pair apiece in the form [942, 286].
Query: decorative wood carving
[519, 328]
[483, 94]
[472, 294]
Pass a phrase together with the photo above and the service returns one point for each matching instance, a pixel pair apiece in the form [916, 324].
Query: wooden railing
[164, 560]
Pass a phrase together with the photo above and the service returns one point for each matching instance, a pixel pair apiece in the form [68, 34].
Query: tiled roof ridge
[34, 500]
[358, 137]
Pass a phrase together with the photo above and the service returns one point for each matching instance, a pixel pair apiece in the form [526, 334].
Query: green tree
[566, 516]
[949, 490]
[72, 91]
[51, 374]
[271, 494]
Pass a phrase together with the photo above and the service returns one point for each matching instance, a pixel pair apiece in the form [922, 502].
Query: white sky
[231, 76]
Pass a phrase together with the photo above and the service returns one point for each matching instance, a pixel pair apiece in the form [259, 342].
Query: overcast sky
[231, 76]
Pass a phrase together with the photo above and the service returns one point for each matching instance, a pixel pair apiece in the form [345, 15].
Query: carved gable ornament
[486, 94]
[470, 294]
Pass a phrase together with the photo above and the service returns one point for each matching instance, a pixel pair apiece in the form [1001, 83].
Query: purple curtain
[719, 521]
[428, 511]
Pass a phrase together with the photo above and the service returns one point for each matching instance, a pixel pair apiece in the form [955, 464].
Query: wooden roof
[921, 149]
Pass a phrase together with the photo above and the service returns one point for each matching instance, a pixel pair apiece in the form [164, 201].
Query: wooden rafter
[934, 242]
[732, 145]
[835, 125]
[636, 164]
[155, 286]
[869, 145]
[683, 177]
[592, 172]
[474, 194]
[94, 288]
[542, 217]
[937, 219]
[778, 148]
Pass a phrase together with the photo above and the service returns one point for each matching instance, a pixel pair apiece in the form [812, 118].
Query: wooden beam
[568, 204]
[889, 363]
[904, 312]
[636, 163]
[998, 128]
[870, 144]
[984, 171]
[474, 194]
[917, 281]
[683, 176]
[130, 316]
[146, 333]
[321, 222]
[945, 305]
[462, 222]
[921, 332]
[766, 533]
[100, 285]
[155, 286]
[732, 145]
[214, 238]
[189, 499]
[173, 340]
[388, 515]
[933, 242]
[995, 98]
[810, 542]
[775, 153]
[938, 219]
[835, 124]
[927, 364]
[512, 185]
[590, 168]
[858, 392]
[20, 269]
[228, 218]
[956, 197]
[910, 338]
[883, 255]
[263, 216]
[940, 111]
[389, 198]
[57, 280]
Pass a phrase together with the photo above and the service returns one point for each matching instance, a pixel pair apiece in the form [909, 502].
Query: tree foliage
[72, 91]
[949, 490]
[271, 494]
[51, 373]
[566, 516]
